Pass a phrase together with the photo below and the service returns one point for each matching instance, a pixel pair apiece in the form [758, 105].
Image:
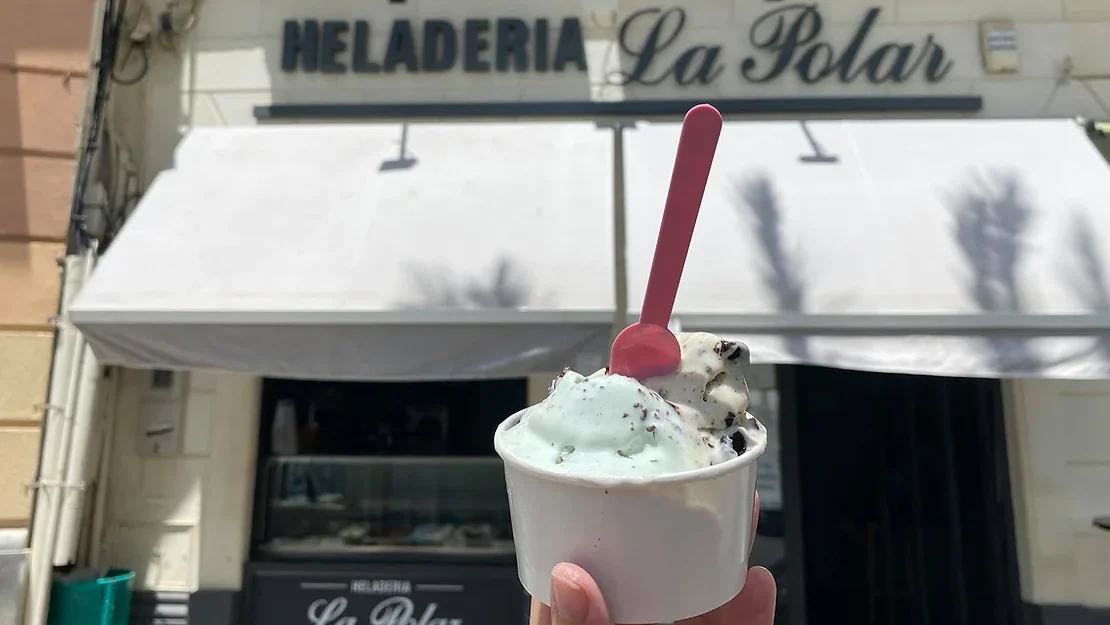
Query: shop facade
[344, 215]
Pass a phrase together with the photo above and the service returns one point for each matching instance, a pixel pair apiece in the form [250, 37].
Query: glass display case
[350, 505]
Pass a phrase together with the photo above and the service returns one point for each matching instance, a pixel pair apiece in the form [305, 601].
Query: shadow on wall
[436, 287]
[991, 219]
[758, 208]
[404, 159]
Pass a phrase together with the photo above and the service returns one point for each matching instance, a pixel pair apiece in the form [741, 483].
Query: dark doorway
[905, 510]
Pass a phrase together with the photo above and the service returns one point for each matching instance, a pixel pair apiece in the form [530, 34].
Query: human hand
[577, 600]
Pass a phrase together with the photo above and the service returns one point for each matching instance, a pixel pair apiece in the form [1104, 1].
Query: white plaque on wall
[161, 411]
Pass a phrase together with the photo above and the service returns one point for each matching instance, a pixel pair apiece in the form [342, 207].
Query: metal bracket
[37, 484]
[59, 322]
[49, 410]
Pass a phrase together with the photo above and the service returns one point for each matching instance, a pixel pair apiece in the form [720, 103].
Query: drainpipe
[57, 430]
[67, 370]
[82, 426]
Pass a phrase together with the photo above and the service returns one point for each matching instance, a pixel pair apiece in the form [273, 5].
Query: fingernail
[568, 600]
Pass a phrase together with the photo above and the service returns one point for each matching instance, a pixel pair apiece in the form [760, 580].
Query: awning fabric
[365, 252]
[945, 247]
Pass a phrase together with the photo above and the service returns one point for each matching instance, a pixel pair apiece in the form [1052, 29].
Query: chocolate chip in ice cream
[739, 443]
[734, 351]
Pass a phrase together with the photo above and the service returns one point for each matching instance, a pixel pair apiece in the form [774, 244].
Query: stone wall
[43, 66]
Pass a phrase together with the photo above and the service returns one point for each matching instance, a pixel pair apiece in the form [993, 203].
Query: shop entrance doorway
[904, 498]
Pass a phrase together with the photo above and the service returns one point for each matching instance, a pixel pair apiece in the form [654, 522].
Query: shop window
[354, 469]
[771, 546]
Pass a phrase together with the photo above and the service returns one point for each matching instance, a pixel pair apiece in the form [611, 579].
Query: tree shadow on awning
[1089, 282]
[758, 207]
[438, 287]
[991, 220]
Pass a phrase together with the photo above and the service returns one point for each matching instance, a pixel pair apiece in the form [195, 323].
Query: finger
[576, 598]
[755, 605]
[540, 614]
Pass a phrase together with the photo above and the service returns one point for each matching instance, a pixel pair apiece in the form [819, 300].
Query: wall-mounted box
[999, 46]
[161, 411]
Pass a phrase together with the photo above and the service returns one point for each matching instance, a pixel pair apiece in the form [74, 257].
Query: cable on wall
[112, 23]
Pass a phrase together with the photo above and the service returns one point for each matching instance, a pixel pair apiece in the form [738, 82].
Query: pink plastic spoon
[647, 348]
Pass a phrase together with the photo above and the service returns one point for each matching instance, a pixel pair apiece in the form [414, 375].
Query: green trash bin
[86, 598]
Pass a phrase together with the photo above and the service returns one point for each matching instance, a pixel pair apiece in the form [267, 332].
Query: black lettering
[791, 34]
[937, 67]
[707, 70]
[512, 44]
[331, 45]
[402, 47]
[771, 33]
[904, 72]
[360, 54]
[898, 69]
[475, 43]
[848, 57]
[816, 63]
[570, 48]
[303, 44]
[440, 46]
[662, 34]
[540, 47]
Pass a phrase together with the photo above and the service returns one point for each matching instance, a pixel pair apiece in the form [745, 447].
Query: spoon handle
[697, 144]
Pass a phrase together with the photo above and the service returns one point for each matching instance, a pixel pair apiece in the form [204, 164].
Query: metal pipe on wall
[69, 348]
[50, 449]
[82, 428]
[61, 397]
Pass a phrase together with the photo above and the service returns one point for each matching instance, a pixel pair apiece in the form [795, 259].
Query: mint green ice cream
[612, 426]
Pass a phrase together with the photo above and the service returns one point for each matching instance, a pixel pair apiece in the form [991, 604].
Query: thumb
[576, 598]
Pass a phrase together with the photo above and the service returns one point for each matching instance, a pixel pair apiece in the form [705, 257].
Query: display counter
[384, 540]
[321, 507]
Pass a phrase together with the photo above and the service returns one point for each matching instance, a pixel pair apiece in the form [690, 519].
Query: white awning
[365, 252]
[957, 247]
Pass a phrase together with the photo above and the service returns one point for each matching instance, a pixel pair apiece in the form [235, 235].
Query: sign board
[387, 594]
[653, 43]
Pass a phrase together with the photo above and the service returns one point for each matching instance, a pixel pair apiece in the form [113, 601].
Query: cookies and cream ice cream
[612, 426]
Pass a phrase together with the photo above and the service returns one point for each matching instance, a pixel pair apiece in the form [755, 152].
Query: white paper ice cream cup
[661, 550]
